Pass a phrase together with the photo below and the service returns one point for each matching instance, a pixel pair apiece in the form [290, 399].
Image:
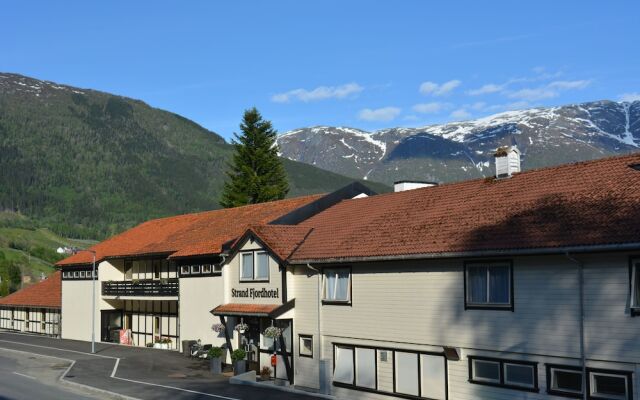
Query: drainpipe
[582, 353]
[322, 365]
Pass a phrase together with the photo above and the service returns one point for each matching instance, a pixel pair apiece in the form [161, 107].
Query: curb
[280, 388]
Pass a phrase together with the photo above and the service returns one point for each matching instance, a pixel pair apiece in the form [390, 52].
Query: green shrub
[215, 352]
[238, 355]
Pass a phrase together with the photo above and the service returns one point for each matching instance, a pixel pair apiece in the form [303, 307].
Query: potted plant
[265, 373]
[239, 362]
[162, 343]
[215, 360]
[242, 327]
[273, 332]
[218, 328]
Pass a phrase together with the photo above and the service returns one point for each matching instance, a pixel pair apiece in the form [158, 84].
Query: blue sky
[365, 64]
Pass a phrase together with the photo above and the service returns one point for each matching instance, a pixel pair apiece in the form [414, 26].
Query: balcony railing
[163, 287]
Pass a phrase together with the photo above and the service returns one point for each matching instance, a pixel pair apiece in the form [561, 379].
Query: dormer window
[254, 266]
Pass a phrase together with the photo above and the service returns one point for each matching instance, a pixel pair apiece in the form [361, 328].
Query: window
[306, 346]
[246, 269]
[195, 269]
[488, 285]
[343, 366]
[254, 266]
[128, 270]
[184, 270]
[564, 380]
[82, 275]
[521, 375]
[262, 261]
[609, 385]
[156, 265]
[76, 274]
[337, 285]
[485, 371]
[27, 319]
[206, 269]
[366, 368]
[65, 274]
[635, 287]
[406, 373]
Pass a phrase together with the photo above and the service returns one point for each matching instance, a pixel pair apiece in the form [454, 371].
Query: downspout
[582, 352]
[321, 377]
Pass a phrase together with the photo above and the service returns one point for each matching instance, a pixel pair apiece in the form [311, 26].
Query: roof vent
[507, 161]
[401, 186]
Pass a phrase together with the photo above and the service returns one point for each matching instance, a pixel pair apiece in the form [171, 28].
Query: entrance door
[111, 323]
[250, 341]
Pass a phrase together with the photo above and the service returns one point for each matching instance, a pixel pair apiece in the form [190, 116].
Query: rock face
[463, 150]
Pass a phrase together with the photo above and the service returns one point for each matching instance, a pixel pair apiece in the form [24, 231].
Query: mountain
[464, 150]
[89, 164]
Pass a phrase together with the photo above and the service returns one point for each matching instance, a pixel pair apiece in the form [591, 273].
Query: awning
[253, 310]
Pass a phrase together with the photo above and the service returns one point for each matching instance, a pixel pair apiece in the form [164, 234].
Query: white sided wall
[419, 306]
[198, 296]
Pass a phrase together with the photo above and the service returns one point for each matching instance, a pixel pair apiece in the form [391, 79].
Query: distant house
[34, 309]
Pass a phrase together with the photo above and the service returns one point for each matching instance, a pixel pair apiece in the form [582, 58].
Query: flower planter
[216, 365]
[239, 367]
[163, 346]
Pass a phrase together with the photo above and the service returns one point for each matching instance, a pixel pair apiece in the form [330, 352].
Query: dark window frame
[628, 375]
[392, 360]
[349, 301]
[305, 336]
[474, 306]
[634, 270]
[557, 392]
[501, 369]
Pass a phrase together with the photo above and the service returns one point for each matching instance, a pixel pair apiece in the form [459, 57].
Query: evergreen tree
[256, 173]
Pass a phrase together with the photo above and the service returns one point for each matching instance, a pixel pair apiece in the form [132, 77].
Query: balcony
[142, 288]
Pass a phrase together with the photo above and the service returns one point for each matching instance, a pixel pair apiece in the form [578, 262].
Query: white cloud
[535, 94]
[384, 114]
[460, 113]
[430, 108]
[487, 89]
[319, 93]
[439, 89]
[630, 97]
[569, 85]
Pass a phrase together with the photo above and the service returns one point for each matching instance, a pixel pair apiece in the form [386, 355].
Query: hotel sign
[252, 293]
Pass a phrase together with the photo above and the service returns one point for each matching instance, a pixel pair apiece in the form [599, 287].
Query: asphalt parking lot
[139, 373]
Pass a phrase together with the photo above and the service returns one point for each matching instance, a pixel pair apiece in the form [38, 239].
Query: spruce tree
[256, 173]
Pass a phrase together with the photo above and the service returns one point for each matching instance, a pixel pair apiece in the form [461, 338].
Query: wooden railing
[148, 287]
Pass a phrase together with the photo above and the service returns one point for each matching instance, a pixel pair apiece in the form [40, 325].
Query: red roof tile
[191, 234]
[47, 293]
[282, 240]
[247, 309]
[582, 204]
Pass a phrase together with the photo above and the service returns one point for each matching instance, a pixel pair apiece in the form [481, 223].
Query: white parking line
[115, 370]
[26, 376]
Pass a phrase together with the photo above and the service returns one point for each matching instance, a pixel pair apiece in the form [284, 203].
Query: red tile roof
[47, 293]
[582, 204]
[191, 234]
[246, 309]
[282, 240]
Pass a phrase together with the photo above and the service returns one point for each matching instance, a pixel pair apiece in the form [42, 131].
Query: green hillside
[89, 164]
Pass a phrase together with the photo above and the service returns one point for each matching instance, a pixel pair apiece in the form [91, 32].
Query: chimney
[401, 186]
[507, 161]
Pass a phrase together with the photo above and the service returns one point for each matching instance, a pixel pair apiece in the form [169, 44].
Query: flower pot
[163, 346]
[216, 365]
[239, 367]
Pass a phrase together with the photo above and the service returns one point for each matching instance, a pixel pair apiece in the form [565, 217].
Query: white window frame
[324, 286]
[82, 273]
[185, 270]
[195, 269]
[593, 385]
[206, 269]
[301, 339]
[519, 384]
[254, 257]
[487, 303]
[76, 274]
[481, 379]
[553, 384]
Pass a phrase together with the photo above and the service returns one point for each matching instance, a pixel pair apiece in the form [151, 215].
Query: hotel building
[524, 285]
